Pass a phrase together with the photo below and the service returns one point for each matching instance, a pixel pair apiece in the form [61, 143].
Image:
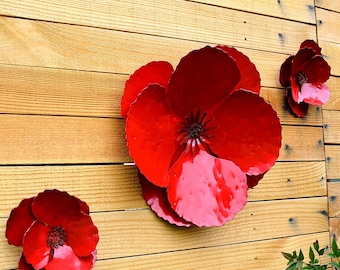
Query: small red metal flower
[304, 75]
[55, 231]
[199, 134]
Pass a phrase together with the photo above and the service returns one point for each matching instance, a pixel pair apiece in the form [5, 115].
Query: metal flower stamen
[56, 237]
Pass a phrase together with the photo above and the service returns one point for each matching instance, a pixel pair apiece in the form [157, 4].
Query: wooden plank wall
[63, 65]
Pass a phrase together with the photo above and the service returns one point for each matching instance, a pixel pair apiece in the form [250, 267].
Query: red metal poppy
[304, 76]
[55, 230]
[199, 137]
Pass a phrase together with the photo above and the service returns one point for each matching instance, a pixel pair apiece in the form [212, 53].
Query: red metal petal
[248, 132]
[300, 59]
[65, 258]
[253, 180]
[19, 221]
[54, 207]
[151, 133]
[286, 71]
[152, 73]
[35, 248]
[314, 94]
[205, 190]
[250, 77]
[294, 88]
[82, 234]
[201, 79]
[299, 109]
[157, 198]
[83, 205]
[23, 264]
[311, 44]
[317, 70]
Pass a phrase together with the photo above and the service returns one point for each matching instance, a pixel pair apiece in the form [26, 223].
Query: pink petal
[65, 258]
[299, 109]
[152, 73]
[314, 94]
[205, 190]
[157, 199]
[81, 234]
[248, 132]
[201, 79]
[250, 77]
[23, 264]
[19, 221]
[54, 207]
[317, 70]
[35, 248]
[286, 71]
[151, 134]
[311, 44]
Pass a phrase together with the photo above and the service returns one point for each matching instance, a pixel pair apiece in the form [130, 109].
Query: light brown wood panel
[328, 4]
[131, 233]
[175, 19]
[328, 23]
[334, 101]
[334, 228]
[332, 161]
[292, 10]
[258, 255]
[334, 199]
[302, 143]
[331, 126]
[291, 180]
[103, 187]
[46, 139]
[116, 187]
[31, 90]
[331, 52]
[277, 98]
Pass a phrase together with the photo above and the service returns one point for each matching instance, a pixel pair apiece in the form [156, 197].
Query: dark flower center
[194, 132]
[301, 78]
[56, 237]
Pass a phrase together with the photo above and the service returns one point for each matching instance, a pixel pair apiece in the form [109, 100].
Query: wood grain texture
[331, 126]
[328, 4]
[332, 153]
[334, 199]
[334, 101]
[176, 19]
[328, 23]
[331, 51]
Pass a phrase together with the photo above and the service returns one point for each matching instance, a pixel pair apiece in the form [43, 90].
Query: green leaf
[336, 265]
[301, 256]
[335, 248]
[292, 266]
[316, 245]
[311, 254]
[321, 251]
[287, 256]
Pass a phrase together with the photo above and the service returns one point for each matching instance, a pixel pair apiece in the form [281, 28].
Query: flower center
[56, 237]
[194, 132]
[301, 78]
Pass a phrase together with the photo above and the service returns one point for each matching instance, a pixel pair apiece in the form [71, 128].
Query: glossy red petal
[65, 258]
[157, 198]
[253, 180]
[151, 133]
[250, 77]
[81, 234]
[311, 44]
[294, 89]
[299, 109]
[317, 70]
[300, 59]
[201, 79]
[54, 207]
[314, 94]
[83, 206]
[205, 190]
[35, 248]
[248, 132]
[286, 71]
[19, 221]
[24, 265]
[152, 73]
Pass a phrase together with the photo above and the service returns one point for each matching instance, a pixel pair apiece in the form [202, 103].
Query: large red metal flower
[197, 133]
[304, 75]
[55, 230]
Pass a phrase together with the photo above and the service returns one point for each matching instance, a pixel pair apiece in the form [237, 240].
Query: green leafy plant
[296, 261]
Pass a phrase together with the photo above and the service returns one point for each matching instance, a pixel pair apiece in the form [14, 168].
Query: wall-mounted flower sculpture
[304, 76]
[200, 135]
[55, 231]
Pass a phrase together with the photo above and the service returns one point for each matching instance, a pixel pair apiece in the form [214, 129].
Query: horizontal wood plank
[204, 23]
[328, 23]
[259, 255]
[331, 51]
[334, 227]
[332, 161]
[291, 10]
[334, 101]
[331, 126]
[328, 4]
[334, 199]
[118, 188]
